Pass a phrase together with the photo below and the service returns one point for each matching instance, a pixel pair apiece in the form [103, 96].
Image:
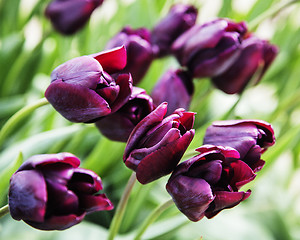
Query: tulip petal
[192, 196]
[164, 160]
[112, 60]
[225, 200]
[242, 174]
[57, 222]
[93, 203]
[76, 103]
[28, 196]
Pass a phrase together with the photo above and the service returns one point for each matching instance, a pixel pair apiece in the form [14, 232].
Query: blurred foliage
[30, 50]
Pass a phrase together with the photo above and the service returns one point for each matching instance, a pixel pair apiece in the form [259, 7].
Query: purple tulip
[156, 144]
[256, 56]
[138, 48]
[50, 192]
[209, 182]
[180, 18]
[249, 137]
[210, 49]
[118, 126]
[68, 16]
[174, 87]
[85, 88]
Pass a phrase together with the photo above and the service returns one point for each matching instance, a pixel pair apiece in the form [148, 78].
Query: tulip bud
[85, 88]
[156, 144]
[118, 126]
[208, 50]
[138, 48]
[249, 137]
[68, 16]
[180, 18]
[176, 88]
[209, 182]
[50, 192]
[256, 56]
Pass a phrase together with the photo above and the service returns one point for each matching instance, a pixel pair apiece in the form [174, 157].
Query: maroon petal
[192, 196]
[57, 222]
[225, 200]
[45, 159]
[93, 203]
[76, 103]
[143, 126]
[164, 160]
[228, 152]
[112, 60]
[242, 174]
[27, 196]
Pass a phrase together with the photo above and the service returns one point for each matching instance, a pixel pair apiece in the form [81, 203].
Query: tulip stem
[9, 126]
[270, 12]
[117, 219]
[4, 210]
[152, 217]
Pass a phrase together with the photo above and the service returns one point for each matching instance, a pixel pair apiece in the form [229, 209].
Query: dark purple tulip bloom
[209, 182]
[50, 192]
[86, 88]
[118, 126]
[138, 48]
[180, 18]
[68, 16]
[256, 56]
[157, 144]
[176, 88]
[249, 137]
[210, 49]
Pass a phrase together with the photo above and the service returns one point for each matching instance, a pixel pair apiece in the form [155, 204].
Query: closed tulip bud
[209, 182]
[250, 138]
[180, 18]
[138, 48]
[118, 126]
[50, 192]
[208, 50]
[255, 58]
[68, 16]
[86, 88]
[156, 144]
[174, 87]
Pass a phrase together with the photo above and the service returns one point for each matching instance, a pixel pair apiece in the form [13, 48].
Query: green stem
[4, 210]
[117, 219]
[18, 116]
[270, 12]
[152, 217]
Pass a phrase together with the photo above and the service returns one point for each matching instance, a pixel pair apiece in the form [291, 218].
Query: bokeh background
[30, 49]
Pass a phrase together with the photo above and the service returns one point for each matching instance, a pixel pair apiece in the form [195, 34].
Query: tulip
[156, 144]
[138, 48]
[180, 18]
[209, 182]
[250, 138]
[174, 87]
[85, 88]
[118, 126]
[50, 192]
[255, 58]
[210, 49]
[68, 16]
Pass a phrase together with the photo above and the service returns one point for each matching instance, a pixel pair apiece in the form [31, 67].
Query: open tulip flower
[89, 87]
[68, 16]
[50, 192]
[138, 48]
[209, 182]
[249, 137]
[208, 50]
[157, 144]
[118, 126]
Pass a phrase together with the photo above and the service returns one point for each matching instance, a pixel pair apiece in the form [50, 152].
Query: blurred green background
[30, 50]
